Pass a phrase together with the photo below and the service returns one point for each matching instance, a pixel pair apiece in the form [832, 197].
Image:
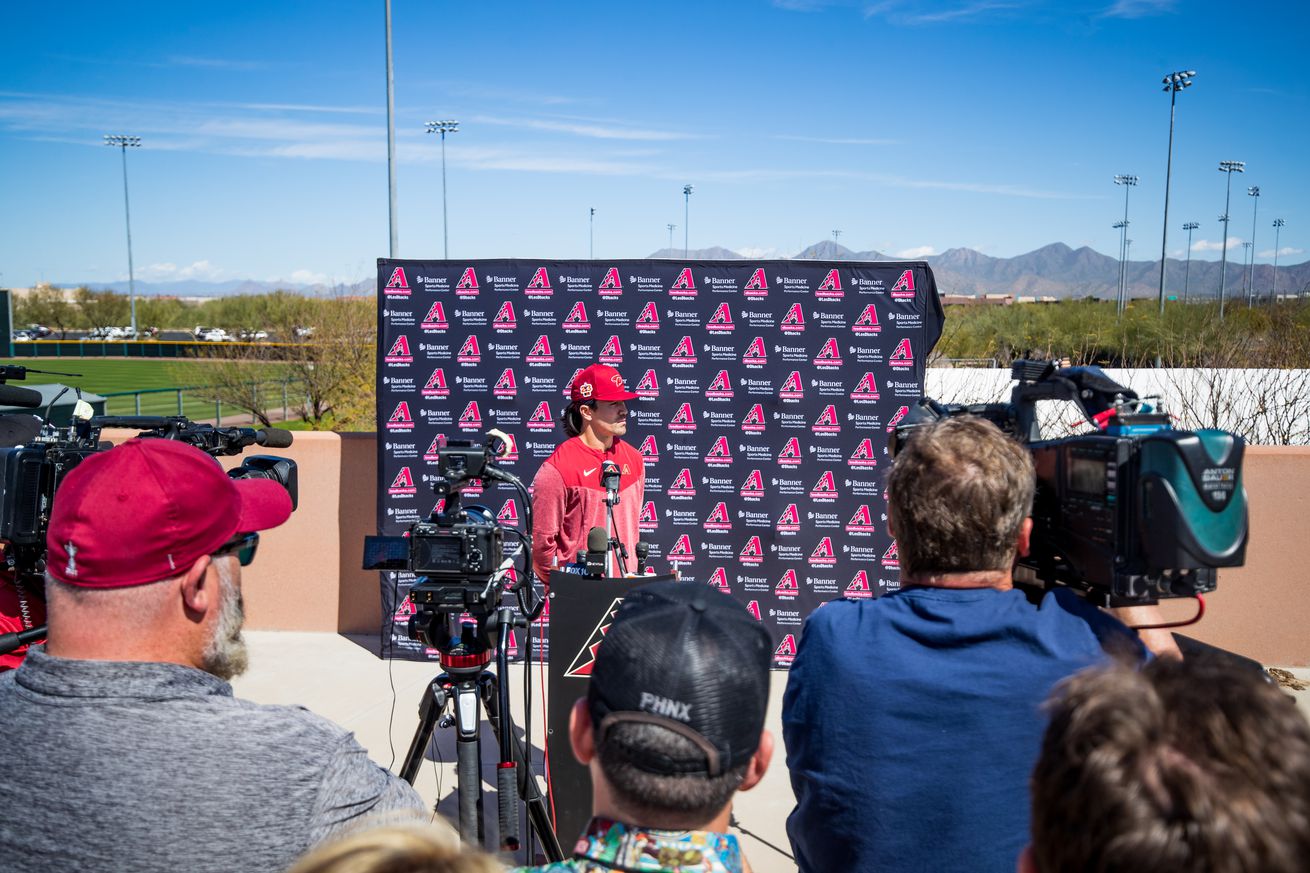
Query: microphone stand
[616, 546]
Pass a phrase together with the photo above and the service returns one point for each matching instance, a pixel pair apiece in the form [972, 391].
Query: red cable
[1200, 611]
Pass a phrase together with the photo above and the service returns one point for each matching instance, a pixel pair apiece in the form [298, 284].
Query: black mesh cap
[688, 658]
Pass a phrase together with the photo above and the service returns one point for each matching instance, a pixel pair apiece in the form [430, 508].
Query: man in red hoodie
[568, 496]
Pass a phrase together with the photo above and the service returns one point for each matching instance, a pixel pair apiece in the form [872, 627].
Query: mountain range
[1054, 270]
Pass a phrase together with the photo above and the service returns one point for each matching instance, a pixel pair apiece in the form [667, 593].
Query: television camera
[1130, 513]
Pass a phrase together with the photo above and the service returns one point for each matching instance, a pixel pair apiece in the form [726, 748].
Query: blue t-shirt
[912, 723]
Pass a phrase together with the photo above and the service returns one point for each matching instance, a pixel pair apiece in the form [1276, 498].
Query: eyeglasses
[242, 545]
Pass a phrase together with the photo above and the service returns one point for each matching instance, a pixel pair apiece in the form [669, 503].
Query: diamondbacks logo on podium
[719, 519]
[794, 320]
[755, 356]
[682, 550]
[751, 554]
[753, 607]
[397, 285]
[683, 420]
[400, 419]
[830, 288]
[904, 287]
[793, 387]
[719, 579]
[612, 352]
[403, 484]
[890, 558]
[684, 286]
[826, 488]
[867, 321]
[859, 588]
[720, 387]
[753, 487]
[787, 587]
[540, 352]
[435, 321]
[829, 356]
[611, 286]
[575, 321]
[683, 485]
[436, 384]
[471, 417]
[823, 555]
[539, 284]
[683, 354]
[827, 422]
[720, 320]
[902, 357]
[399, 353]
[866, 390]
[541, 419]
[790, 520]
[757, 285]
[648, 320]
[720, 453]
[583, 662]
[506, 385]
[861, 522]
[470, 352]
[648, 386]
[467, 286]
[509, 513]
[649, 450]
[505, 319]
[896, 418]
[790, 454]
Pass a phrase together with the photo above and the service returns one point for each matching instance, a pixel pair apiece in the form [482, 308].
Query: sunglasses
[242, 545]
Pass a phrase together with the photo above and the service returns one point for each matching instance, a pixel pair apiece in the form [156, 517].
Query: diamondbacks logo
[790, 520]
[435, 320]
[758, 284]
[509, 513]
[467, 286]
[399, 353]
[576, 319]
[867, 322]
[541, 419]
[684, 353]
[648, 386]
[720, 386]
[433, 454]
[649, 450]
[720, 320]
[397, 286]
[471, 417]
[902, 358]
[511, 451]
[684, 286]
[794, 320]
[755, 356]
[404, 611]
[786, 651]
[829, 356]
[400, 418]
[830, 288]
[505, 319]
[790, 454]
[611, 352]
[436, 384]
[540, 352]
[787, 587]
[863, 456]
[648, 519]
[684, 420]
[683, 485]
[793, 387]
[904, 287]
[823, 556]
[754, 609]
[506, 385]
[583, 662]
[719, 580]
[896, 418]
[682, 550]
[720, 454]
[648, 320]
[754, 420]
[470, 352]
[861, 522]
[866, 390]
[611, 286]
[719, 519]
[403, 484]
[827, 422]
[751, 554]
[753, 487]
[825, 488]
[539, 284]
[859, 588]
[568, 386]
[890, 558]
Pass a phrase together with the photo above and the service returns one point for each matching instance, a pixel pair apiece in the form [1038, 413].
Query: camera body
[1132, 513]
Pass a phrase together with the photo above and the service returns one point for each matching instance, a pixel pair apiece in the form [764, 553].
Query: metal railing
[196, 401]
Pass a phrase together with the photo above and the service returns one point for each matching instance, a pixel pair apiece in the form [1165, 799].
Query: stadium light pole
[1278, 229]
[124, 143]
[1173, 83]
[686, 214]
[1228, 167]
[836, 235]
[1128, 182]
[1247, 255]
[1122, 227]
[672, 228]
[591, 233]
[1187, 273]
[1254, 193]
[444, 127]
[392, 226]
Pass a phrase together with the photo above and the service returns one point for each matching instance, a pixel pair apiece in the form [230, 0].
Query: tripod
[467, 685]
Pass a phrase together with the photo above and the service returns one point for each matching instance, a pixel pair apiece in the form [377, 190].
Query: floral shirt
[609, 845]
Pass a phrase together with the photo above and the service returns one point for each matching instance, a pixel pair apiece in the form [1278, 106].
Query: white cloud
[1205, 245]
[917, 252]
[593, 130]
[168, 272]
[838, 140]
[758, 253]
[1285, 250]
[1138, 8]
[910, 13]
[303, 277]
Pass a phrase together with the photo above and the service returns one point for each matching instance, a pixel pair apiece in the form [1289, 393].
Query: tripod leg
[538, 814]
[431, 706]
[468, 764]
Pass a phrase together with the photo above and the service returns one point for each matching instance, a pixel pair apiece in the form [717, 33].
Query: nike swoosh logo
[588, 472]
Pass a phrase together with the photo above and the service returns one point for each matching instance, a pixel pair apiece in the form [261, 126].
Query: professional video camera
[1131, 513]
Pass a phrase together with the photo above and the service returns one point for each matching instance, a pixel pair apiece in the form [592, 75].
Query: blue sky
[912, 127]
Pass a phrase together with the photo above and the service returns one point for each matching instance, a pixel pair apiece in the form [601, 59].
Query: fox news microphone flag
[768, 389]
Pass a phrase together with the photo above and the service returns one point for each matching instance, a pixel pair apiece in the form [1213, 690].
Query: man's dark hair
[959, 491]
[572, 417]
[1199, 765]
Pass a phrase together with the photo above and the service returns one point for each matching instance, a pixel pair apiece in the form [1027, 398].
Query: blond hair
[412, 847]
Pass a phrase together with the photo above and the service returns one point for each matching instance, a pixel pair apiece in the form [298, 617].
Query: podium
[581, 608]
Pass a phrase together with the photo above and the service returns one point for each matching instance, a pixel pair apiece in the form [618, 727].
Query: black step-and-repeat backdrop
[767, 388]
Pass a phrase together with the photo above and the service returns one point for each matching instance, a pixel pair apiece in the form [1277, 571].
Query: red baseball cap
[147, 510]
[600, 382]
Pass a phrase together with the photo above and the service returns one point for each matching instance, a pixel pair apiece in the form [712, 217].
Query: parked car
[210, 334]
[107, 333]
[248, 336]
[22, 336]
[38, 331]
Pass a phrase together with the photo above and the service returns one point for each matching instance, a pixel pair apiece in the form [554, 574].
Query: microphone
[598, 543]
[12, 395]
[643, 552]
[273, 437]
[609, 480]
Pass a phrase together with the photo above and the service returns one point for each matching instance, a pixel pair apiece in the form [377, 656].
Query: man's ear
[582, 737]
[759, 762]
[891, 522]
[1024, 540]
[199, 592]
[1026, 863]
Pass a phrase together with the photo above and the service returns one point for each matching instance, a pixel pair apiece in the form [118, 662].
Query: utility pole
[1187, 273]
